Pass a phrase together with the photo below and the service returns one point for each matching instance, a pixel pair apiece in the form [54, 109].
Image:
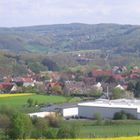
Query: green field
[89, 129]
[20, 102]
[110, 131]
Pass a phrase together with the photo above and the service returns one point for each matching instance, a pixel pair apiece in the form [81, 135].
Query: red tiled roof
[135, 71]
[134, 75]
[27, 79]
[5, 85]
[102, 73]
[118, 77]
[52, 84]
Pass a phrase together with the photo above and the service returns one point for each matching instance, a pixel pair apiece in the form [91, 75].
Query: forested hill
[71, 37]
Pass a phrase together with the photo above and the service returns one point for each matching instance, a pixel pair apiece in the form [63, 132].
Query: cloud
[34, 12]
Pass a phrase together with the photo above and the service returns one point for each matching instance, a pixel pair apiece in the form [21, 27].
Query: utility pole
[107, 92]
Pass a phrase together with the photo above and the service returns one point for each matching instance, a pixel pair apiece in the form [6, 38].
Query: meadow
[121, 128]
[110, 131]
[19, 101]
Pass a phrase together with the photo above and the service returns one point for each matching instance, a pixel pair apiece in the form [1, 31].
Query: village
[94, 83]
[82, 96]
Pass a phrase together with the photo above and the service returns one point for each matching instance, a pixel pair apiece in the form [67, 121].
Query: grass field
[19, 101]
[89, 129]
[110, 131]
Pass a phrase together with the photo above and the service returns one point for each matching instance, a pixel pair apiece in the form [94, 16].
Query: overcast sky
[40, 12]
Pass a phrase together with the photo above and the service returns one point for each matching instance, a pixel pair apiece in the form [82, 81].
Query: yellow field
[119, 138]
[15, 94]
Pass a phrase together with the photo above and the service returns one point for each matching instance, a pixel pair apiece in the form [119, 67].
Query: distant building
[42, 114]
[107, 108]
[120, 87]
[99, 72]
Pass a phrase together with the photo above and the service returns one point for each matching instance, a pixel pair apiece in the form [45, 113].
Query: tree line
[17, 125]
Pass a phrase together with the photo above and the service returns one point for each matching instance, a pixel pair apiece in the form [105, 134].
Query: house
[134, 76]
[89, 81]
[67, 76]
[120, 87]
[14, 88]
[135, 71]
[54, 75]
[51, 84]
[99, 72]
[98, 87]
[28, 81]
[6, 87]
[118, 77]
[75, 87]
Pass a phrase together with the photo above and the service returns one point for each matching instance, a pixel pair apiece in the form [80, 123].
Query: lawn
[20, 102]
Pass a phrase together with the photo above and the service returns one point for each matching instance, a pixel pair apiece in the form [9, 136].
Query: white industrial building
[41, 114]
[107, 108]
[67, 110]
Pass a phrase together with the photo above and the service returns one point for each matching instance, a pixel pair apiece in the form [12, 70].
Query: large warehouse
[107, 108]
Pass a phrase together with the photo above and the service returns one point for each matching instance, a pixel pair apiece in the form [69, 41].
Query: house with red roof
[98, 72]
[118, 77]
[135, 71]
[25, 81]
[6, 87]
[28, 81]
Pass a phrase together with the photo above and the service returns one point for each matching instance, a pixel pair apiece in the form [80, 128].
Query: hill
[71, 37]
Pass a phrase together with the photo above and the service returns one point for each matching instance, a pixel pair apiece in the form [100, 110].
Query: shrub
[123, 116]
[66, 132]
[50, 133]
[98, 118]
[53, 121]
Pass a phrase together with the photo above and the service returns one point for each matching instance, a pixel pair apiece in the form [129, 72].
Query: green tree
[50, 133]
[30, 102]
[21, 126]
[131, 86]
[52, 66]
[66, 132]
[117, 93]
[36, 66]
[41, 125]
[122, 115]
[54, 120]
[57, 89]
[137, 89]
[7, 110]
[98, 118]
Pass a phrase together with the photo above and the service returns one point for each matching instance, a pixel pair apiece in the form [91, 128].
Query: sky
[15, 13]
